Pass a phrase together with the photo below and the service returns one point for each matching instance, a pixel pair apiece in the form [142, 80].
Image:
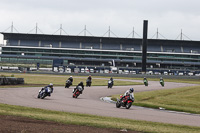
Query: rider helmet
[51, 85]
[131, 90]
[70, 76]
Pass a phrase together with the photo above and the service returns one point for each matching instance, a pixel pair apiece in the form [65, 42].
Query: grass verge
[92, 120]
[59, 80]
[190, 81]
[180, 99]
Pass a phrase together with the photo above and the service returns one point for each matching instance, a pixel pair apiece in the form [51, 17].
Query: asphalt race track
[89, 102]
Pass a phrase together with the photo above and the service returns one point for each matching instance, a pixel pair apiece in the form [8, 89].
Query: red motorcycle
[77, 91]
[124, 102]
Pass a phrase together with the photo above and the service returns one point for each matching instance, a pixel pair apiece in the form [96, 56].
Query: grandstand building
[100, 51]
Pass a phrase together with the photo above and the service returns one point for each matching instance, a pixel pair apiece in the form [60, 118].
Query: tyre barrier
[11, 81]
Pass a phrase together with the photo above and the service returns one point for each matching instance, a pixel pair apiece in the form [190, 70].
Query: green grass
[191, 81]
[180, 99]
[59, 80]
[95, 121]
[44, 79]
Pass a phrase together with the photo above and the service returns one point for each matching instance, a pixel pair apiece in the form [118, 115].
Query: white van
[120, 71]
[151, 72]
[76, 70]
[101, 71]
[126, 71]
[82, 70]
[87, 70]
[190, 73]
[165, 73]
[113, 69]
[106, 71]
[91, 70]
[181, 74]
[68, 70]
[132, 72]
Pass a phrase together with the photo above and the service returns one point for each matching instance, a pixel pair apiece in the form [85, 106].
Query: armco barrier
[11, 81]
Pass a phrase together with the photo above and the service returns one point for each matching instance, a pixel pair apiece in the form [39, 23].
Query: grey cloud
[168, 16]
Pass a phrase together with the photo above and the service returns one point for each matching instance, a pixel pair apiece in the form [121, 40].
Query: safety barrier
[11, 81]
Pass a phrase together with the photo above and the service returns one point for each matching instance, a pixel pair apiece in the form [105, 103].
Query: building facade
[100, 51]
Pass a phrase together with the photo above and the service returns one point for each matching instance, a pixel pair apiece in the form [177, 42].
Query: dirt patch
[15, 124]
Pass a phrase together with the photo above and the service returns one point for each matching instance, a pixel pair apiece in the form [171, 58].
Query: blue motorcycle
[44, 92]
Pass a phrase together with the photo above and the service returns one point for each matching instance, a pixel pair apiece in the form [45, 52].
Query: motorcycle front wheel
[38, 95]
[128, 105]
[43, 96]
[75, 96]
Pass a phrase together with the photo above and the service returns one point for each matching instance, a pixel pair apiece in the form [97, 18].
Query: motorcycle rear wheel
[118, 105]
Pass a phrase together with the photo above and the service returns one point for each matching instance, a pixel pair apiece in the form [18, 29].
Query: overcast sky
[168, 16]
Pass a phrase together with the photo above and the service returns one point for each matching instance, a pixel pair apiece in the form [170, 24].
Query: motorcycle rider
[129, 92]
[89, 78]
[71, 79]
[111, 79]
[48, 86]
[161, 79]
[89, 81]
[80, 84]
[145, 81]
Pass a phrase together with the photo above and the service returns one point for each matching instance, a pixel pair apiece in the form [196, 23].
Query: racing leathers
[71, 79]
[48, 87]
[128, 93]
[80, 84]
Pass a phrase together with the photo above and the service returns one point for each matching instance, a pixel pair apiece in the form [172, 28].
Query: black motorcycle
[110, 84]
[44, 92]
[68, 83]
[88, 82]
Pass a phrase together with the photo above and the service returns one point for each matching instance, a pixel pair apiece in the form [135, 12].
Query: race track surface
[89, 102]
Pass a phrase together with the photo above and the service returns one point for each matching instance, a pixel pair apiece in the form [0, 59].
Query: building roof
[94, 39]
